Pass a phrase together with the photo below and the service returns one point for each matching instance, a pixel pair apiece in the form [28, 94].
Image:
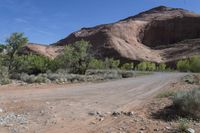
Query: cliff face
[153, 35]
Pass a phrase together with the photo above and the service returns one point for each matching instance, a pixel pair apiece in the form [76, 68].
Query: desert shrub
[192, 79]
[166, 94]
[146, 66]
[41, 78]
[161, 67]
[5, 81]
[115, 74]
[142, 66]
[63, 76]
[32, 64]
[2, 47]
[14, 44]
[183, 125]
[111, 63]
[4, 76]
[105, 74]
[66, 77]
[183, 65]
[191, 64]
[76, 57]
[108, 63]
[188, 103]
[96, 64]
[127, 66]
[195, 64]
[151, 66]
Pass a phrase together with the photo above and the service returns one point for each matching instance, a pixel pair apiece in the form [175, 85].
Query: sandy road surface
[63, 110]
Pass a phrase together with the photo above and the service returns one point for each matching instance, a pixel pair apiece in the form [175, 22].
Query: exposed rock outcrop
[39, 49]
[156, 35]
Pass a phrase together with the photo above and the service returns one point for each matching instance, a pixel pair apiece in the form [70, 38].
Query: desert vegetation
[189, 65]
[187, 103]
[76, 63]
[182, 104]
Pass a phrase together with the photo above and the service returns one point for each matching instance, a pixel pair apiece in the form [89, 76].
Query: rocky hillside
[161, 34]
[39, 49]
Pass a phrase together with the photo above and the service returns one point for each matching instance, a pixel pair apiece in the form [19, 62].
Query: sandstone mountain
[161, 34]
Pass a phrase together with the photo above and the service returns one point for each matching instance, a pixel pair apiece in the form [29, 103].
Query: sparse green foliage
[110, 63]
[183, 65]
[41, 78]
[32, 64]
[4, 75]
[161, 67]
[188, 103]
[115, 74]
[191, 64]
[195, 64]
[142, 66]
[14, 43]
[146, 66]
[105, 74]
[76, 57]
[127, 66]
[151, 66]
[183, 125]
[166, 94]
[2, 47]
[96, 64]
[192, 79]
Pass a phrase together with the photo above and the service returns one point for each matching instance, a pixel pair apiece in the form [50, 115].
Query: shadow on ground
[171, 113]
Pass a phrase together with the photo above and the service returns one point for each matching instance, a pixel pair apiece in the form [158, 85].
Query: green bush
[41, 78]
[14, 44]
[108, 63]
[111, 63]
[96, 64]
[76, 57]
[2, 47]
[161, 67]
[188, 103]
[151, 66]
[183, 125]
[33, 64]
[146, 66]
[192, 79]
[127, 66]
[142, 66]
[115, 74]
[4, 76]
[183, 65]
[166, 94]
[195, 64]
[191, 64]
[105, 74]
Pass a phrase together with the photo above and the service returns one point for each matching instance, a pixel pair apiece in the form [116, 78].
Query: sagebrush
[187, 103]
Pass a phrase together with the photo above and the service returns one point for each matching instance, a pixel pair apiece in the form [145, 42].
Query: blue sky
[47, 21]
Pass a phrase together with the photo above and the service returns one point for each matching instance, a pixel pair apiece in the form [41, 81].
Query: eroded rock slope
[155, 35]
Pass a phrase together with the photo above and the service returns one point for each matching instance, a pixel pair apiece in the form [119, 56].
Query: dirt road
[67, 109]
